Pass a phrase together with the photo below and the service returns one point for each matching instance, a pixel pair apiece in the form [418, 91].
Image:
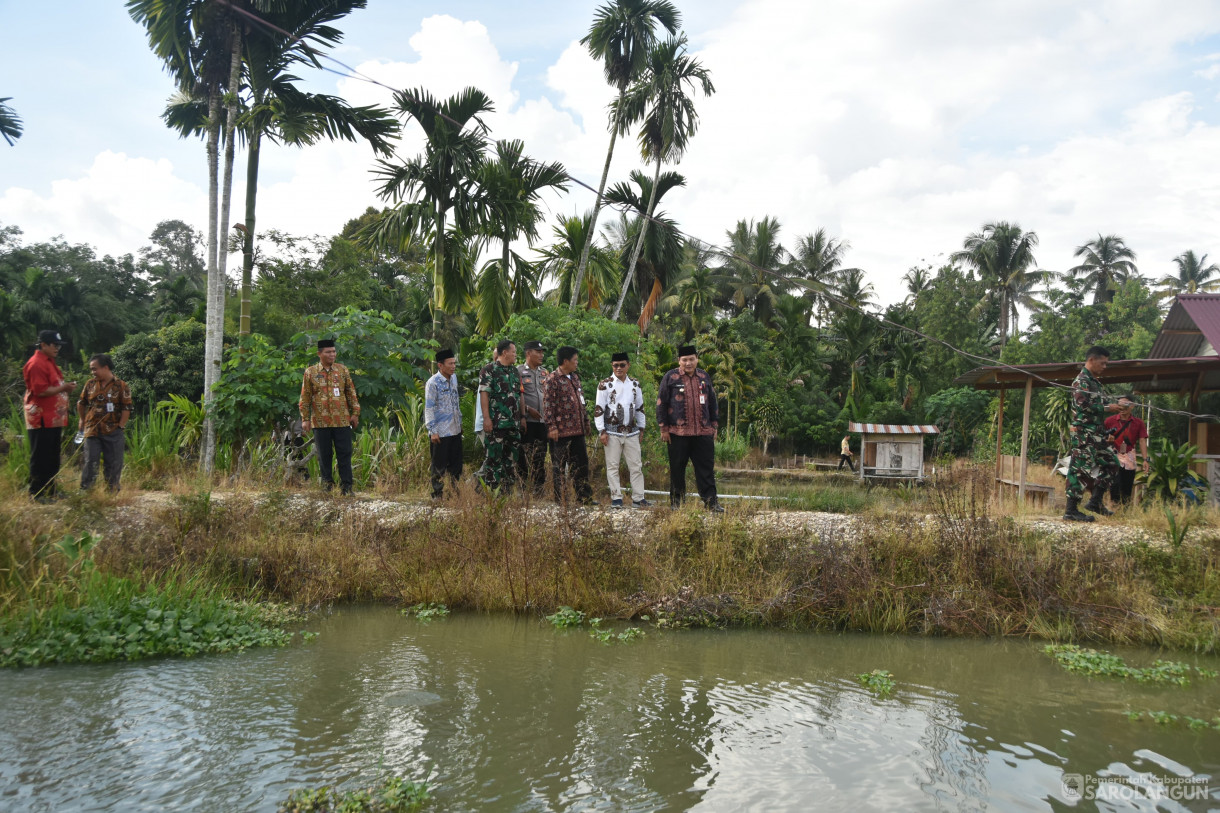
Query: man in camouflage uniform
[503, 418]
[1093, 462]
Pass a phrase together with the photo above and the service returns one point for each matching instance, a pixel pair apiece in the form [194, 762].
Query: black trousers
[845, 458]
[44, 459]
[1123, 486]
[700, 450]
[446, 459]
[109, 450]
[533, 456]
[571, 454]
[338, 439]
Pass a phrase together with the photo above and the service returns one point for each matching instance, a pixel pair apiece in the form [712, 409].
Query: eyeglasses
[618, 364]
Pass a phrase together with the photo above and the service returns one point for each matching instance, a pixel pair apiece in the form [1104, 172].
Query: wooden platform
[1008, 479]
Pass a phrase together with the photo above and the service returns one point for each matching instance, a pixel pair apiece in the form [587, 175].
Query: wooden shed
[890, 450]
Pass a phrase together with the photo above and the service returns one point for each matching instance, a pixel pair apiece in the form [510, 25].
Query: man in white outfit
[619, 418]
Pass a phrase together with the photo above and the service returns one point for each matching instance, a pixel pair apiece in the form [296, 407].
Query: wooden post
[999, 436]
[1029, 392]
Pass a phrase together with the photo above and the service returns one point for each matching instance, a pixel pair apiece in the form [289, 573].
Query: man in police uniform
[534, 441]
[1093, 461]
[329, 407]
[503, 418]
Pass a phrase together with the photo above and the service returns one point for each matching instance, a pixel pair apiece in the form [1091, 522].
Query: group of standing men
[525, 411]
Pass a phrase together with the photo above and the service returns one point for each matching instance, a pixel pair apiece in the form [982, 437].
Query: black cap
[324, 343]
[535, 345]
[619, 357]
[50, 337]
[443, 355]
[687, 350]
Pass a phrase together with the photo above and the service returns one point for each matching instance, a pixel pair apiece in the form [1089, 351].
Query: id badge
[582, 399]
[702, 398]
[336, 391]
[109, 407]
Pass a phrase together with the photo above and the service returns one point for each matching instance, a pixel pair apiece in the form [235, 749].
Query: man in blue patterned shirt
[443, 417]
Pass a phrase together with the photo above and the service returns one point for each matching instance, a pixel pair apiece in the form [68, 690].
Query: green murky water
[497, 713]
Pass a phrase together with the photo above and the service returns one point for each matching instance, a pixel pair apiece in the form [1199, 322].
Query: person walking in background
[845, 454]
[443, 418]
[46, 413]
[619, 417]
[567, 426]
[688, 415]
[503, 418]
[1128, 433]
[1093, 460]
[534, 442]
[104, 408]
[329, 407]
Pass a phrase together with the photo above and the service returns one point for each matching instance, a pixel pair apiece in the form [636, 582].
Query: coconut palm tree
[1003, 256]
[10, 122]
[1107, 262]
[439, 183]
[753, 259]
[561, 260]
[621, 37]
[1194, 275]
[510, 185]
[695, 292]
[816, 260]
[660, 100]
[917, 280]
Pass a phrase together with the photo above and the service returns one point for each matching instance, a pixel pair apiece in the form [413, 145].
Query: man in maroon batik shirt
[689, 415]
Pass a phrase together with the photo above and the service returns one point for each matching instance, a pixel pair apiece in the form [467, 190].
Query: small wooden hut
[891, 451]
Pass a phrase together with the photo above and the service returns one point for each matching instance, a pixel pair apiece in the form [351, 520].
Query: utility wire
[817, 289]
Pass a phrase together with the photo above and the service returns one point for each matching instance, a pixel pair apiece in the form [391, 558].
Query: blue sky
[898, 126]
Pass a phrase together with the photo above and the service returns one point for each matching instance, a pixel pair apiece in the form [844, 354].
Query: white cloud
[113, 207]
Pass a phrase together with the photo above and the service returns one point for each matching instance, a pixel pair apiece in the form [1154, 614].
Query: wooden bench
[1009, 481]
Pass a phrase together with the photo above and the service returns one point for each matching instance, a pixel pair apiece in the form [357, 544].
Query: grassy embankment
[939, 561]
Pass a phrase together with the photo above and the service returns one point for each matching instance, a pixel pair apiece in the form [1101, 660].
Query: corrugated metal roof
[1147, 375]
[893, 428]
[1192, 328]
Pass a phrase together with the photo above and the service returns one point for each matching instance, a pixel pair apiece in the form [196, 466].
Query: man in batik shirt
[329, 407]
[619, 417]
[567, 422]
[104, 408]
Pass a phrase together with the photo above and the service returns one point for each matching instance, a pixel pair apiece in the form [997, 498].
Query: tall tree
[659, 261]
[1106, 262]
[510, 185]
[817, 260]
[1003, 255]
[661, 101]
[754, 257]
[439, 183]
[1195, 274]
[622, 35]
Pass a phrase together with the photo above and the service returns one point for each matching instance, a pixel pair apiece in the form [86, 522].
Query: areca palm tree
[696, 291]
[755, 250]
[509, 187]
[660, 100]
[10, 122]
[1003, 255]
[199, 42]
[622, 35]
[439, 183]
[659, 255]
[561, 260]
[1107, 262]
[1194, 275]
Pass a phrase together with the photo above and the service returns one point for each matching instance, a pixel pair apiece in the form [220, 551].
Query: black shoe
[616, 503]
[641, 504]
[1096, 506]
[1072, 514]
[716, 508]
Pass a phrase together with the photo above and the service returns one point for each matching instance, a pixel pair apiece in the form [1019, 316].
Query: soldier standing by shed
[1093, 461]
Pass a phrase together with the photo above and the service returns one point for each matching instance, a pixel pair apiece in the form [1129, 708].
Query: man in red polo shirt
[46, 413]
[1129, 434]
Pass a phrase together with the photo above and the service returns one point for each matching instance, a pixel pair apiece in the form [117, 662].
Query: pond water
[501, 713]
